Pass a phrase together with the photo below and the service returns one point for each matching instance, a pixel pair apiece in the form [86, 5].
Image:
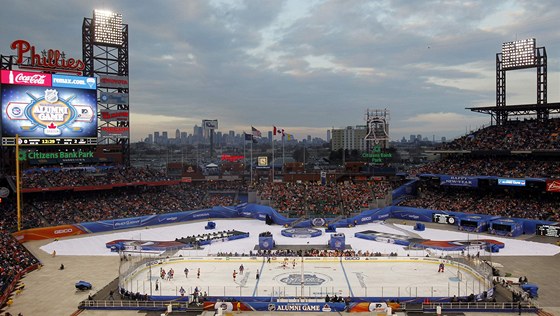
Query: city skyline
[238, 136]
[307, 66]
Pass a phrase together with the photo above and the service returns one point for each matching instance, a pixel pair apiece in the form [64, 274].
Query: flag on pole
[249, 137]
[277, 130]
[289, 136]
[255, 132]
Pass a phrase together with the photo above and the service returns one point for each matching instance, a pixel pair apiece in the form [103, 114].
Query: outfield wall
[256, 211]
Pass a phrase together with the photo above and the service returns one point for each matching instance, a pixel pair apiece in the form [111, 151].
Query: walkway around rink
[50, 291]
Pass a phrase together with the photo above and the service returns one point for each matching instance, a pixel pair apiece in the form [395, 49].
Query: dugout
[506, 227]
[473, 223]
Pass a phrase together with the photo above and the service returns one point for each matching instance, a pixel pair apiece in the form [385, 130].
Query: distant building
[349, 138]
[328, 136]
[157, 139]
[197, 133]
[412, 138]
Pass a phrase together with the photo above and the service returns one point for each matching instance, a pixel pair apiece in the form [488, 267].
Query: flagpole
[282, 153]
[273, 158]
[252, 159]
[304, 144]
[18, 186]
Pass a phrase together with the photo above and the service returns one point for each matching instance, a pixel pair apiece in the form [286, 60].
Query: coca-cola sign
[46, 60]
[26, 78]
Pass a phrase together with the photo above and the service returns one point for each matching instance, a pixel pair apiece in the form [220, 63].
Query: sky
[306, 66]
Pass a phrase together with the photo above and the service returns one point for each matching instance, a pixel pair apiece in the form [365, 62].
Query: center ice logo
[308, 279]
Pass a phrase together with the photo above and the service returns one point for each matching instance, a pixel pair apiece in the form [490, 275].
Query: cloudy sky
[306, 66]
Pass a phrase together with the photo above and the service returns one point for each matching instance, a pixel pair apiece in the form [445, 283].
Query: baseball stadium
[85, 231]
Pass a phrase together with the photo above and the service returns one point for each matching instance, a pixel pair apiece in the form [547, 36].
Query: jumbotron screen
[45, 109]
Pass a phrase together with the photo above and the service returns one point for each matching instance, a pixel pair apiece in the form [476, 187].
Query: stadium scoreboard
[11, 141]
[441, 218]
[548, 230]
[47, 109]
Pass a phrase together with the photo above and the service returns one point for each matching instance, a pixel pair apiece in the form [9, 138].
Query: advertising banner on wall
[512, 182]
[114, 115]
[48, 232]
[112, 82]
[459, 181]
[210, 124]
[113, 98]
[65, 81]
[114, 131]
[26, 78]
[553, 185]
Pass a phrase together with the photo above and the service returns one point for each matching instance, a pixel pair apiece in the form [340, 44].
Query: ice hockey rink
[351, 276]
[376, 277]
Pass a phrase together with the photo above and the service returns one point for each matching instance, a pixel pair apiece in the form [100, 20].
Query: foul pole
[18, 186]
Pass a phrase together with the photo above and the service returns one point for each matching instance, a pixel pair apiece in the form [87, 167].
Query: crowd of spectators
[280, 253]
[125, 202]
[491, 160]
[49, 209]
[513, 135]
[329, 200]
[132, 199]
[294, 199]
[88, 176]
[520, 166]
[500, 202]
[214, 235]
[14, 259]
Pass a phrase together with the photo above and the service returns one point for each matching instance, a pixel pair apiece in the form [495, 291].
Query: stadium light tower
[107, 28]
[105, 55]
[515, 55]
[519, 54]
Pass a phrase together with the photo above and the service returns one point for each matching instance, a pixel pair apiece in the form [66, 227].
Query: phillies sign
[45, 60]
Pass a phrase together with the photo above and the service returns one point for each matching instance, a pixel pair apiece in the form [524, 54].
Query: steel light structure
[516, 55]
[107, 28]
[105, 54]
[519, 54]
